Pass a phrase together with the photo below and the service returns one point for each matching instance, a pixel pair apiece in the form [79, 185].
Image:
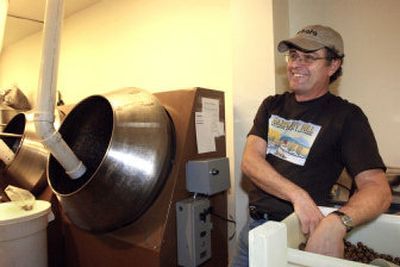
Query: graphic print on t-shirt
[291, 140]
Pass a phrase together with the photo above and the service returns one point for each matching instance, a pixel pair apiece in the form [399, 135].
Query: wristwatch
[346, 220]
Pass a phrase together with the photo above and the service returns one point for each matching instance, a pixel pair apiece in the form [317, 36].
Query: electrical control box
[208, 176]
[193, 231]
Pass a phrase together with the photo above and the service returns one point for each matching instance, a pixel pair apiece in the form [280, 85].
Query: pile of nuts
[362, 253]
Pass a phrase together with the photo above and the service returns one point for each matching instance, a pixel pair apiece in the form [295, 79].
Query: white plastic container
[382, 235]
[23, 234]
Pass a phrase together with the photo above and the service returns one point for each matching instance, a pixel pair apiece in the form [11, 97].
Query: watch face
[346, 220]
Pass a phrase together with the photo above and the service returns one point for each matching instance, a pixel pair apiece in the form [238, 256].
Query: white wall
[156, 45]
[370, 30]
[253, 78]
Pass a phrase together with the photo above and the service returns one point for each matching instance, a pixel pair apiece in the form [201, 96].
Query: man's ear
[334, 66]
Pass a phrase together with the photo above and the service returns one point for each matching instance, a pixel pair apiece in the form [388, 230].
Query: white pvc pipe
[44, 113]
[3, 18]
[6, 154]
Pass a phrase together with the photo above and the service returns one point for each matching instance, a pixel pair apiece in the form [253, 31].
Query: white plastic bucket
[23, 234]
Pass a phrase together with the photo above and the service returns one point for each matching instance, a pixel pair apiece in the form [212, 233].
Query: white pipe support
[46, 98]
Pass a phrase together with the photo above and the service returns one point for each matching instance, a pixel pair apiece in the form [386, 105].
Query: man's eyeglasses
[306, 58]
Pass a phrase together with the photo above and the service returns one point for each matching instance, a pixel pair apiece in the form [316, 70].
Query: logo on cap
[308, 31]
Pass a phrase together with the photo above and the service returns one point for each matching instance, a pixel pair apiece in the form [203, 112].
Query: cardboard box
[381, 234]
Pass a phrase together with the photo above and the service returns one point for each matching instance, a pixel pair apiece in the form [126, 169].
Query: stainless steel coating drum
[125, 139]
[28, 168]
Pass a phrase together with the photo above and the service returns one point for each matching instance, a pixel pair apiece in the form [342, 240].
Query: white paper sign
[208, 125]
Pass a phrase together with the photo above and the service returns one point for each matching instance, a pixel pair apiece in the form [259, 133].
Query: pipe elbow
[44, 131]
[54, 142]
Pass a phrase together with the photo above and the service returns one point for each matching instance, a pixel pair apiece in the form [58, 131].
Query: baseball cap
[314, 37]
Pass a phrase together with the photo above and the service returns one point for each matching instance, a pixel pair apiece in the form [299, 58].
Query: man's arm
[269, 180]
[372, 198]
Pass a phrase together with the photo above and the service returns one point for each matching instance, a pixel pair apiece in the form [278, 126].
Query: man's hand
[307, 212]
[328, 237]
[373, 197]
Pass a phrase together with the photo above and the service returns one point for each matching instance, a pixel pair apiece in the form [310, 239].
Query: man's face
[308, 73]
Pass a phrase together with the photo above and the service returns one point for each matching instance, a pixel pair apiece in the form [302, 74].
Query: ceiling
[25, 17]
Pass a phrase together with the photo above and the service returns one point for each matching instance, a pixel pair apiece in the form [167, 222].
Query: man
[300, 143]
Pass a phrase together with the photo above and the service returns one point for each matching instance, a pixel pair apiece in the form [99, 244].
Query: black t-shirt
[310, 143]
